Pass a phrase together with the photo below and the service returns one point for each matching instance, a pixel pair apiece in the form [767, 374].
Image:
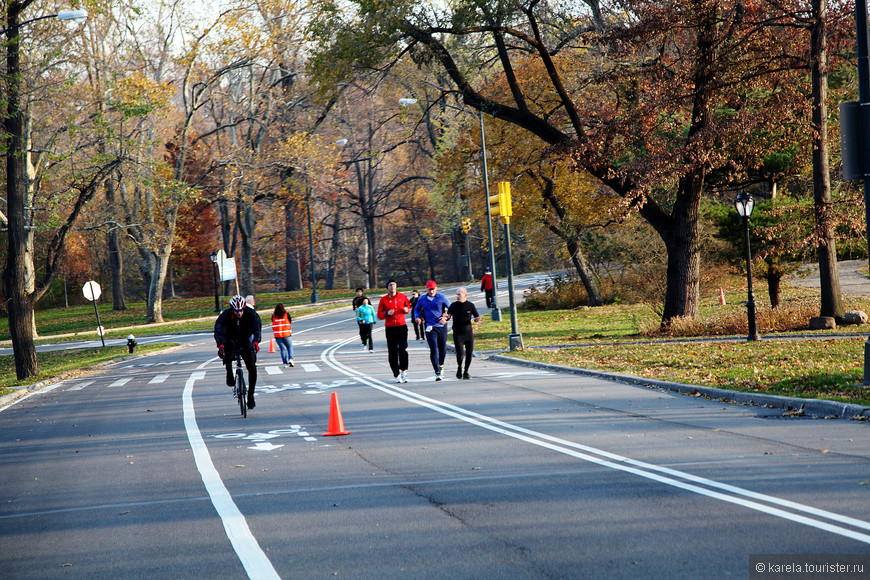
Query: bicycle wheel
[242, 392]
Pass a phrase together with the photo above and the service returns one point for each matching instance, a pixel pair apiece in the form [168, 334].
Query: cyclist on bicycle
[238, 328]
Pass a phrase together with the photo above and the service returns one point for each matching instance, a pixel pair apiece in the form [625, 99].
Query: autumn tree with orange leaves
[663, 103]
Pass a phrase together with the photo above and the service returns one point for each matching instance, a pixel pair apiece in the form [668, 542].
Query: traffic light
[466, 225]
[500, 205]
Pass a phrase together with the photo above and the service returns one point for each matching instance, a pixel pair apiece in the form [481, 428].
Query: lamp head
[77, 16]
[744, 204]
[405, 101]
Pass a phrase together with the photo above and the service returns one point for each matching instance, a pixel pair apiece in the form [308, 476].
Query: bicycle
[240, 390]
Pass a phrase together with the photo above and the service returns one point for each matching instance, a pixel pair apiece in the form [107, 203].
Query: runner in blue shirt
[432, 307]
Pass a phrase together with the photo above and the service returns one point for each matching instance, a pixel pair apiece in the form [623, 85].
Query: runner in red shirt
[392, 309]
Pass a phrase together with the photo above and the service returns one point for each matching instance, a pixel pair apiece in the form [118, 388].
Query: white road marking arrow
[265, 447]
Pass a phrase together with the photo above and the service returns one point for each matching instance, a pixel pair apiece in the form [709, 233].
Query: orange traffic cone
[721, 297]
[271, 345]
[336, 424]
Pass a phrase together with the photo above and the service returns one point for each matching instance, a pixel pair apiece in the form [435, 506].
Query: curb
[816, 408]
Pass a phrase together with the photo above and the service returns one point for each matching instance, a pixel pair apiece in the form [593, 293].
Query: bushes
[791, 315]
[563, 293]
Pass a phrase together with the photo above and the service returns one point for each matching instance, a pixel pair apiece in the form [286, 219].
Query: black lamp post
[214, 263]
[744, 204]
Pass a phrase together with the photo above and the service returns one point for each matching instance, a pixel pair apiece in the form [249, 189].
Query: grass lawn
[53, 364]
[608, 339]
[182, 314]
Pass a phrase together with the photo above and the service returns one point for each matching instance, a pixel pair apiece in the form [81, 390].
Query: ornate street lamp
[744, 204]
[214, 263]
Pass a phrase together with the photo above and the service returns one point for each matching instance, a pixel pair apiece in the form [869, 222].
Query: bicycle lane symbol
[262, 441]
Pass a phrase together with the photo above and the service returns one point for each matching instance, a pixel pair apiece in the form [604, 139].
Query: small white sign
[228, 270]
[92, 291]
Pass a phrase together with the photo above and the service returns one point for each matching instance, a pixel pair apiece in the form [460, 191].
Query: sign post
[92, 292]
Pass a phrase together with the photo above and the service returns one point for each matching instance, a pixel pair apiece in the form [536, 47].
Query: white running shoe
[399, 379]
[403, 376]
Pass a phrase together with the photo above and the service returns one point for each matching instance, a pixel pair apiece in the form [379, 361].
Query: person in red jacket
[392, 309]
[486, 287]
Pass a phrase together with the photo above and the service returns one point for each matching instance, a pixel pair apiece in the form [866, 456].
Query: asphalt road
[145, 469]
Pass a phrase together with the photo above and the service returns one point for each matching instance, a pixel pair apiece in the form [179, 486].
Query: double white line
[800, 513]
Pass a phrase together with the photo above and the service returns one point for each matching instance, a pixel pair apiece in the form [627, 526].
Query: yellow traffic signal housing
[500, 205]
[466, 225]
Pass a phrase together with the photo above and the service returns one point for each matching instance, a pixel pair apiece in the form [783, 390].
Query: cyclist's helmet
[237, 302]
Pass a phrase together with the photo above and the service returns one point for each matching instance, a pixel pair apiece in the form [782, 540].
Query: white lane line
[310, 367]
[80, 386]
[273, 370]
[120, 382]
[650, 471]
[251, 555]
[158, 379]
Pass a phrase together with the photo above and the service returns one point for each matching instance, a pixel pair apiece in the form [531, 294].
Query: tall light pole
[20, 304]
[744, 204]
[862, 47]
[214, 264]
[496, 313]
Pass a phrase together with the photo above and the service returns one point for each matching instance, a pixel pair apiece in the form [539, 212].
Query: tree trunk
[247, 223]
[570, 239]
[292, 275]
[155, 287]
[681, 240]
[335, 248]
[582, 268]
[829, 276]
[20, 303]
[116, 264]
[372, 253]
[774, 289]
[458, 252]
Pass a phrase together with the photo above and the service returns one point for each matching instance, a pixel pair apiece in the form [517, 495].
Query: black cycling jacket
[230, 331]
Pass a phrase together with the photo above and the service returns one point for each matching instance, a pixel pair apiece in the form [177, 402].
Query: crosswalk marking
[120, 382]
[80, 386]
[273, 370]
[158, 379]
[310, 367]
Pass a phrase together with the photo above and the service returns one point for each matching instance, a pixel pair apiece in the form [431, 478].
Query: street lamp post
[496, 313]
[214, 263]
[744, 204]
[862, 50]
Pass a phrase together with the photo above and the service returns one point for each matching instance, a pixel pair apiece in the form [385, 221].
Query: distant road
[853, 277]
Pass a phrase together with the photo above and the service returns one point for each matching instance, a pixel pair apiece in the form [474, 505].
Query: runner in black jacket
[462, 313]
